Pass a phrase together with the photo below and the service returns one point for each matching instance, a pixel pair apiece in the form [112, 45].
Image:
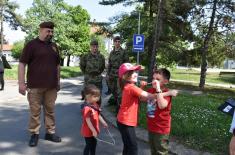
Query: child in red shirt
[91, 117]
[158, 114]
[127, 114]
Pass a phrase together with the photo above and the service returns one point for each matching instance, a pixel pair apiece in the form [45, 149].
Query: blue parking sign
[138, 43]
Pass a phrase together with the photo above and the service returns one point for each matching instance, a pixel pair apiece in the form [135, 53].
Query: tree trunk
[150, 37]
[68, 60]
[61, 61]
[205, 47]
[158, 23]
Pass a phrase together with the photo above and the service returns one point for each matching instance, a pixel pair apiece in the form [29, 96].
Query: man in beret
[92, 64]
[41, 56]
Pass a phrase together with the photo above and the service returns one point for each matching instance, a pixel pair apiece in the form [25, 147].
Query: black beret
[94, 42]
[49, 25]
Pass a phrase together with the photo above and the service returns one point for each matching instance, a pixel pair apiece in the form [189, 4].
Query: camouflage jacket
[92, 65]
[116, 58]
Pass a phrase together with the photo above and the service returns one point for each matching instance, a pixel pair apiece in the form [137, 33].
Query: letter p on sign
[138, 40]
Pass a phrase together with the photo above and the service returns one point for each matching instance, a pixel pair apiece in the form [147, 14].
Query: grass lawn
[193, 75]
[66, 72]
[196, 122]
[11, 74]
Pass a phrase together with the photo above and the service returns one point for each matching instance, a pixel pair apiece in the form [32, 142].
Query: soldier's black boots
[33, 140]
[82, 94]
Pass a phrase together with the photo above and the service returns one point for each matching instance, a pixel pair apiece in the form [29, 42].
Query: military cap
[49, 25]
[116, 38]
[94, 42]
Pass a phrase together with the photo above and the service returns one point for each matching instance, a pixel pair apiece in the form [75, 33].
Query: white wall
[229, 64]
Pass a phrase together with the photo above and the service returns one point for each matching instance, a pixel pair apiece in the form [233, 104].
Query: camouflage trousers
[159, 143]
[115, 90]
[95, 80]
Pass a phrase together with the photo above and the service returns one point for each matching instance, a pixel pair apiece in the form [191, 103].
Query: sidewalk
[10, 93]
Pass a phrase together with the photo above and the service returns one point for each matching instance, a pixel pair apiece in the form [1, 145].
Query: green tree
[7, 14]
[211, 20]
[216, 50]
[229, 47]
[171, 32]
[208, 24]
[17, 49]
[71, 31]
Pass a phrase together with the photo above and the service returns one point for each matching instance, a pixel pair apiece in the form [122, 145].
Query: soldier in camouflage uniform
[92, 64]
[117, 56]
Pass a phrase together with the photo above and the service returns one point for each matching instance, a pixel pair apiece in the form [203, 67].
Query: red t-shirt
[161, 123]
[88, 112]
[128, 111]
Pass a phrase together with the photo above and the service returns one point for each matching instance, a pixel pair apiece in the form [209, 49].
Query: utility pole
[1, 14]
[138, 53]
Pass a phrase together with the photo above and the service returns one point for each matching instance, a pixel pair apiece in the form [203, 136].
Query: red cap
[125, 67]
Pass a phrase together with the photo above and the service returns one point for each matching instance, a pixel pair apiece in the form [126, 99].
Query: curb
[142, 134]
[193, 82]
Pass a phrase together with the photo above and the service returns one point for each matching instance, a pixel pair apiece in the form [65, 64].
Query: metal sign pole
[138, 53]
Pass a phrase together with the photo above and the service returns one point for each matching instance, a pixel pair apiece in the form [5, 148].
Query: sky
[99, 12]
